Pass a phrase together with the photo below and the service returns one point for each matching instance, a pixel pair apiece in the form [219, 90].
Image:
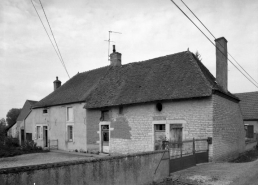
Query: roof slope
[26, 109]
[74, 90]
[24, 112]
[176, 76]
[249, 105]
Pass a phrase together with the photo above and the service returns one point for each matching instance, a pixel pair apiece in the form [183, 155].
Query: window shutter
[35, 133]
[41, 132]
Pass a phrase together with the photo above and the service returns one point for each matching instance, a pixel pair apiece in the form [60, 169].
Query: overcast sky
[150, 28]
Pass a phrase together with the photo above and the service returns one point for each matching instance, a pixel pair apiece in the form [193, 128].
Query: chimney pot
[115, 57]
[57, 83]
[222, 63]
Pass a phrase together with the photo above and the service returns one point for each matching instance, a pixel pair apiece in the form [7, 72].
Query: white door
[105, 138]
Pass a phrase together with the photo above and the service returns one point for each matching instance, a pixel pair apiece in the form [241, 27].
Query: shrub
[30, 146]
[12, 142]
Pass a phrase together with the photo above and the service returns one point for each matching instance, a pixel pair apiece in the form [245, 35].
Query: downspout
[85, 123]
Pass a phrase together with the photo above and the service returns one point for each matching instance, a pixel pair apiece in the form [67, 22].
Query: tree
[2, 128]
[12, 115]
[198, 55]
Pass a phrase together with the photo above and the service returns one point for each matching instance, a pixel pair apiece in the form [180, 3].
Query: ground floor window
[38, 132]
[70, 132]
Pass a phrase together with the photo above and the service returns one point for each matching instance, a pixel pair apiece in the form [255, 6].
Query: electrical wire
[219, 43]
[57, 51]
[46, 32]
[54, 38]
[212, 42]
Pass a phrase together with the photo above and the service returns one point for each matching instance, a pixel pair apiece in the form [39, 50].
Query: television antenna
[109, 34]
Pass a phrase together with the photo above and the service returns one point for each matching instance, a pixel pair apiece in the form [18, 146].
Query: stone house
[19, 129]
[249, 107]
[131, 108]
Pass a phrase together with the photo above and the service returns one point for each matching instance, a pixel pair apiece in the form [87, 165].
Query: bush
[12, 142]
[30, 146]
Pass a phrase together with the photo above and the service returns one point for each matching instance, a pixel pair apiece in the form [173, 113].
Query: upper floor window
[104, 115]
[45, 111]
[69, 114]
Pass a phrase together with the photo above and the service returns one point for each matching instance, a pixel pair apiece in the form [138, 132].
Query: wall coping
[19, 169]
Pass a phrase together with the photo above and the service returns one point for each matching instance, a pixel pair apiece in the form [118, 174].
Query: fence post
[193, 146]
[181, 149]
[49, 144]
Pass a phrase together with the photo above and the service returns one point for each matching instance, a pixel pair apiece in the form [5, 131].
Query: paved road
[220, 174]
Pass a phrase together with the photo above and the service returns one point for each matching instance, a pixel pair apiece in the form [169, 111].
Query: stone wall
[139, 169]
[133, 131]
[228, 131]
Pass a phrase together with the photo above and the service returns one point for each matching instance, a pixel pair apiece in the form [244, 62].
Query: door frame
[102, 123]
[45, 135]
[167, 123]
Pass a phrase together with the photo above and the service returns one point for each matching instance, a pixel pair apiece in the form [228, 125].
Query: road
[220, 174]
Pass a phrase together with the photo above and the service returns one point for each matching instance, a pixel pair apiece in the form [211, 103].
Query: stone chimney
[57, 84]
[222, 63]
[115, 57]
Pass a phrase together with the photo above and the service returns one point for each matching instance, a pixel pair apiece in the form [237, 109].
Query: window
[38, 132]
[104, 115]
[70, 132]
[44, 111]
[69, 112]
[121, 109]
[160, 127]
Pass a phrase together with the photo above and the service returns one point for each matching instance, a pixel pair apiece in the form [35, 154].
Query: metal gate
[187, 153]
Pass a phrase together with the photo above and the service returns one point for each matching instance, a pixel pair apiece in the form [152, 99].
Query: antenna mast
[109, 33]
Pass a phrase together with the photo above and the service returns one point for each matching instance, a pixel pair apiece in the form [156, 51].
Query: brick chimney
[57, 84]
[222, 63]
[115, 57]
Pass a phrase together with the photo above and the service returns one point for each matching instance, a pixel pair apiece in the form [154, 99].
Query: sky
[150, 29]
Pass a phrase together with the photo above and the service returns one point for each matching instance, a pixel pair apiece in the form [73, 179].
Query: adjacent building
[249, 107]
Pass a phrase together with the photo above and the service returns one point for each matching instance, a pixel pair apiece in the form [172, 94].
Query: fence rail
[186, 147]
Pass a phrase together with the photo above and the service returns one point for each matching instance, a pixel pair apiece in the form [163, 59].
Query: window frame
[70, 139]
[68, 116]
[38, 132]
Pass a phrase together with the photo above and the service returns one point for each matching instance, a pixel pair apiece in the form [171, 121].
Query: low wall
[124, 169]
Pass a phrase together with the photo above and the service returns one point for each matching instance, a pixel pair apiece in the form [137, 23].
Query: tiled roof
[176, 76]
[25, 109]
[74, 90]
[24, 112]
[249, 105]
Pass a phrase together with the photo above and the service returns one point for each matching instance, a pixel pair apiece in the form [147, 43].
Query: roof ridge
[198, 63]
[93, 69]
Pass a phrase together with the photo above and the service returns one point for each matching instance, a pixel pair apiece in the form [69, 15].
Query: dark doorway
[22, 135]
[45, 136]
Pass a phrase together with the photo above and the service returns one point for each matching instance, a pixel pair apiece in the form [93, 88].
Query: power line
[46, 32]
[219, 43]
[54, 38]
[212, 42]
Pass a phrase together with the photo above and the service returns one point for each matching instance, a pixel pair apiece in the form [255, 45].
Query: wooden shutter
[35, 133]
[41, 132]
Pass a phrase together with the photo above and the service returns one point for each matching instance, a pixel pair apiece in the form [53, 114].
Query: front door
[45, 136]
[176, 135]
[105, 138]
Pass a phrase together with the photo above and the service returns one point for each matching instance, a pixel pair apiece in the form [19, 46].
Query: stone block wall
[136, 123]
[141, 168]
[228, 131]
